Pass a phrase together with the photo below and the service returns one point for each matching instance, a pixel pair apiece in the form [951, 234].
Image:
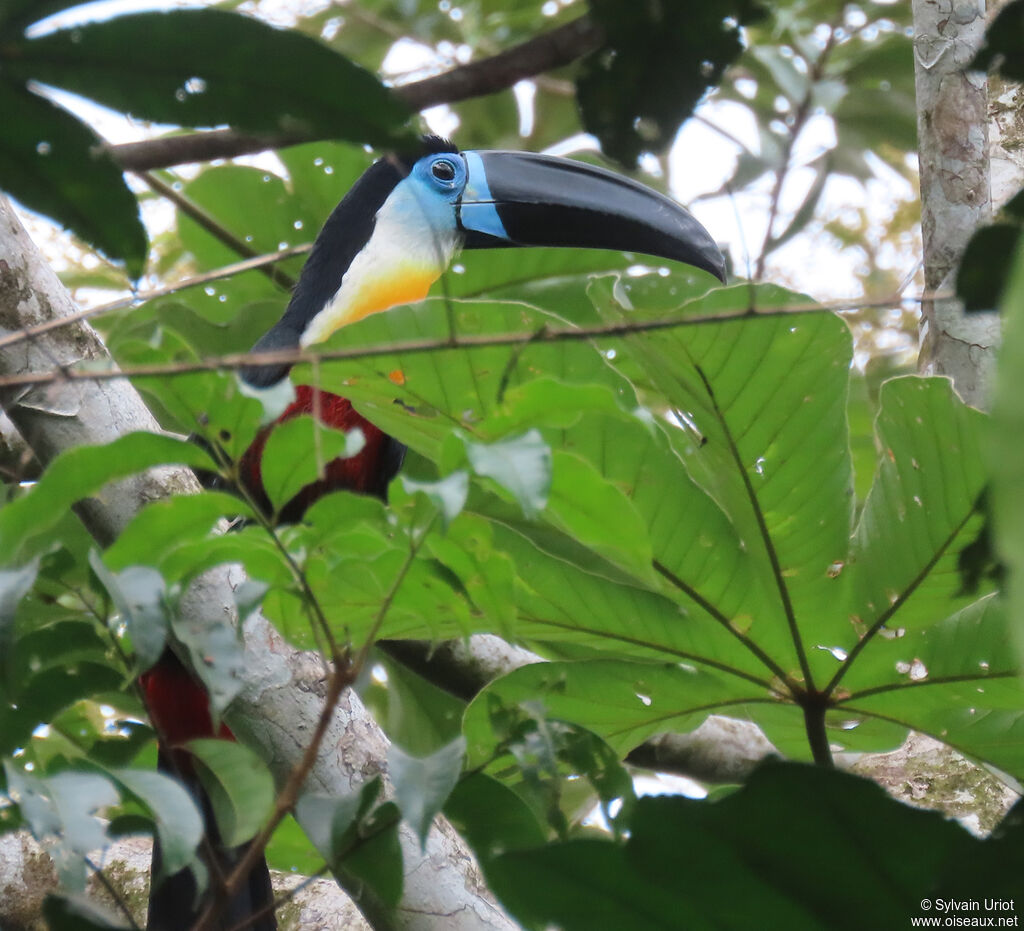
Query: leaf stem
[814, 707]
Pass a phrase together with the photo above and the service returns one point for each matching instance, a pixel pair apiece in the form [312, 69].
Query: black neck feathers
[347, 230]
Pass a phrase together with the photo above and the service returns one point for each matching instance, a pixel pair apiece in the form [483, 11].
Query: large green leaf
[756, 858]
[53, 163]
[207, 67]
[657, 63]
[956, 680]
[457, 387]
[764, 403]
[691, 539]
[558, 602]
[921, 510]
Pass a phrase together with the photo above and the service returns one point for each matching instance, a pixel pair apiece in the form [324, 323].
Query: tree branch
[952, 130]
[553, 49]
[721, 750]
[299, 356]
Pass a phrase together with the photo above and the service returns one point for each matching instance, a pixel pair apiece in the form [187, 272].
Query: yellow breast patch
[402, 285]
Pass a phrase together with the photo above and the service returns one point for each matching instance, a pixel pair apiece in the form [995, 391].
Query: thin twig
[211, 225]
[232, 361]
[226, 271]
[328, 646]
[724, 133]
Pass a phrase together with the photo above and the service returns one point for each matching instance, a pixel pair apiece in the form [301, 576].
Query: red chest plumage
[361, 473]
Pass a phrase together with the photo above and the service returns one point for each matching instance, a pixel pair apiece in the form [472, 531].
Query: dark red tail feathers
[180, 711]
[178, 705]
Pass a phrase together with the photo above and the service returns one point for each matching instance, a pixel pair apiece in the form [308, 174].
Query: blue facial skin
[430, 193]
[449, 180]
[479, 212]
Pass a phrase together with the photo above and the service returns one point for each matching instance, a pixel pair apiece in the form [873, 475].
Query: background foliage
[725, 516]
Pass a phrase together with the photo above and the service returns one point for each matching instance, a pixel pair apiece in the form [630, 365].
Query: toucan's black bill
[524, 199]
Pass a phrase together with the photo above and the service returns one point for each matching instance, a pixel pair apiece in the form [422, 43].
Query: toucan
[388, 240]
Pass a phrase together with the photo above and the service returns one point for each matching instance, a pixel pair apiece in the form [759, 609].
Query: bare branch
[77, 316]
[542, 53]
[234, 361]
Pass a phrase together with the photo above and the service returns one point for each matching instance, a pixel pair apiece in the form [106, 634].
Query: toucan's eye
[443, 170]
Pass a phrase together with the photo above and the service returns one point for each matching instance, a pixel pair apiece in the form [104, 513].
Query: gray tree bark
[952, 122]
